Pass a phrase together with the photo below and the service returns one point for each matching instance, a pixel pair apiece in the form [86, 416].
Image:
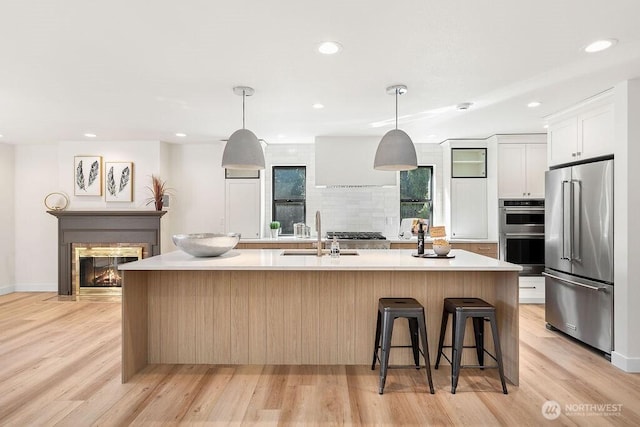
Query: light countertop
[291, 239]
[367, 260]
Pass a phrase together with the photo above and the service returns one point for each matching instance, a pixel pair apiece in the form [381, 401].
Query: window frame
[408, 200]
[291, 201]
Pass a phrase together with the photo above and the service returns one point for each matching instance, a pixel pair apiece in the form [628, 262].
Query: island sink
[315, 252]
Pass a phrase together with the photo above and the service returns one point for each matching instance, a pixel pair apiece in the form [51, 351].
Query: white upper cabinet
[521, 168]
[582, 132]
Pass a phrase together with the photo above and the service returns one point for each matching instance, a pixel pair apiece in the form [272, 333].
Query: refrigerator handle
[576, 200]
[573, 282]
[566, 230]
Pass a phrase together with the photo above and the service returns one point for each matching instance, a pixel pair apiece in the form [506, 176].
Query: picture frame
[118, 181]
[87, 176]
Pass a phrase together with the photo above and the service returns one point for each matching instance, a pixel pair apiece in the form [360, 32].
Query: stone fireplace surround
[110, 228]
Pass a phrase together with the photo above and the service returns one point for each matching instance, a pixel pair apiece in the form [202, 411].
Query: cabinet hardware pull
[527, 287]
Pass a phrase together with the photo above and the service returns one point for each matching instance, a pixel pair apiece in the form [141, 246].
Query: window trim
[291, 201]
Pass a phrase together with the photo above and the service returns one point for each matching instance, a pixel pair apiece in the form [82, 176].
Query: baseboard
[36, 287]
[7, 289]
[627, 364]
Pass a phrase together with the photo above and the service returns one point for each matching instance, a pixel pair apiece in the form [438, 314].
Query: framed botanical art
[118, 181]
[87, 173]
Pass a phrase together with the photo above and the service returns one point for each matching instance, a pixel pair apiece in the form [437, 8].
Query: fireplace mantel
[92, 227]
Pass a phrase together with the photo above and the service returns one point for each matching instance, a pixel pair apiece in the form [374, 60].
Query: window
[289, 196]
[416, 193]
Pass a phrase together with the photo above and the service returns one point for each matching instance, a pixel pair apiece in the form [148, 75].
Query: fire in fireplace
[96, 269]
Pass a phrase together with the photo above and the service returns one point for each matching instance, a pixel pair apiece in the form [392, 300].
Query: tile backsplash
[351, 208]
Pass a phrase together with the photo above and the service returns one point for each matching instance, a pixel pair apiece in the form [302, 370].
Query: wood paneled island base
[310, 316]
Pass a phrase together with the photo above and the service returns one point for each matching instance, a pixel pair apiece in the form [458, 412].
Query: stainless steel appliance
[359, 239]
[579, 252]
[522, 234]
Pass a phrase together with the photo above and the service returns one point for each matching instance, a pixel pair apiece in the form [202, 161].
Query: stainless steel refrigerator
[579, 252]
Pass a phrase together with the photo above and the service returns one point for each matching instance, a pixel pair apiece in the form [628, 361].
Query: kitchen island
[258, 306]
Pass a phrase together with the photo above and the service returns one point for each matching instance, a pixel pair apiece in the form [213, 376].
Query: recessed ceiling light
[329, 48]
[600, 45]
[90, 135]
[318, 106]
[546, 126]
[0, 136]
[464, 106]
[533, 104]
[181, 135]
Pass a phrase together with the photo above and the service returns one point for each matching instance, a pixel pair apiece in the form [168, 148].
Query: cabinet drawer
[486, 249]
[531, 289]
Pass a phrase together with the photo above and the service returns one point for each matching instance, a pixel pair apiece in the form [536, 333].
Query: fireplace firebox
[96, 269]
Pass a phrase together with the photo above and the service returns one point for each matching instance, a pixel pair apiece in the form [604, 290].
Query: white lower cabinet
[531, 289]
[242, 210]
[469, 208]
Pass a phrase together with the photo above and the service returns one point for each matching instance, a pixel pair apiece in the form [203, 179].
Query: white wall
[7, 235]
[351, 208]
[627, 228]
[36, 255]
[197, 183]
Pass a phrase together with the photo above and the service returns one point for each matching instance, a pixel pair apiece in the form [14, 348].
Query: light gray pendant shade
[396, 151]
[243, 150]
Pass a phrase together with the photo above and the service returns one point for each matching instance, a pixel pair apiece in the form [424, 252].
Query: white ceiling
[141, 69]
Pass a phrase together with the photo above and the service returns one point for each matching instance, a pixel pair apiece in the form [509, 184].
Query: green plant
[274, 225]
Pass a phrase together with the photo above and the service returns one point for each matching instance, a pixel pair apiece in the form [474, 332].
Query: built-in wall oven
[522, 234]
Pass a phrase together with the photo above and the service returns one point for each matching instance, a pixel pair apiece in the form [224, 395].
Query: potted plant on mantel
[158, 190]
[275, 229]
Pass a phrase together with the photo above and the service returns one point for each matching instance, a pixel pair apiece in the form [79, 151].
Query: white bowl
[206, 244]
[442, 250]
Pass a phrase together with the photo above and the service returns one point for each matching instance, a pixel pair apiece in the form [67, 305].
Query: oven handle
[524, 234]
[525, 210]
[593, 288]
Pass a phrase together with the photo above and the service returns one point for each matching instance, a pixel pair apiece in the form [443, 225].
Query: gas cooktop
[356, 235]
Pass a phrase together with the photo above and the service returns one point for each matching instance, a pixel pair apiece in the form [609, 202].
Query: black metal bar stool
[390, 309]
[478, 310]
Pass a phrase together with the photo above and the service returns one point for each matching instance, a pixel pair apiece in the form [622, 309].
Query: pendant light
[243, 150]
[396, 151]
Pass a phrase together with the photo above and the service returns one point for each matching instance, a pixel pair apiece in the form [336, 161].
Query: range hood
[347, 161]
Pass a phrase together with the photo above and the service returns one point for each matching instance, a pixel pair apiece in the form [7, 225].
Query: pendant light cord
[397, 108]
[243, 92]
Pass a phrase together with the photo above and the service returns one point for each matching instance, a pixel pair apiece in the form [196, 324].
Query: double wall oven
[522, 234]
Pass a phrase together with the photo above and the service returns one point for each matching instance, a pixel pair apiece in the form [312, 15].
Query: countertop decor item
[56, 201]
[158, 190]
[396, 151]
[243, 150]
[206, 244]
[274, 226]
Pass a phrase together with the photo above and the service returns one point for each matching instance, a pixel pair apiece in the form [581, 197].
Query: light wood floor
[60, 365]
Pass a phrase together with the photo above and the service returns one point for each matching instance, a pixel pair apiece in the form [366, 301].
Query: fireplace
[103, 229]
[95, 269]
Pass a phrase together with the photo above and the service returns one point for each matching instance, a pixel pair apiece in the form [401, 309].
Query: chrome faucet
[319, 230]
